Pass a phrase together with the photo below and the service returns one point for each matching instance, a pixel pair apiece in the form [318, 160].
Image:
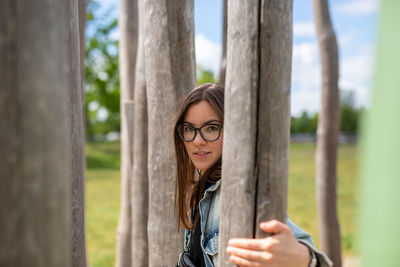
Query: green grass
[102, 202]
[103, 196]
[302, 203]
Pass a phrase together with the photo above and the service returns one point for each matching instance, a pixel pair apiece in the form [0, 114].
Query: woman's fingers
[262, 244]
[250, 255]
[244, 262]
[274, 227]
[279, 249]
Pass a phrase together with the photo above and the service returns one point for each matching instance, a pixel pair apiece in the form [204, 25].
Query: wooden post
[327, 135]
[35, 218]
[256, 128]
[77, 138]
[140, 179]
[127, 58]
[82, 7]
[273, 111]
[222, 71]
[170, 73]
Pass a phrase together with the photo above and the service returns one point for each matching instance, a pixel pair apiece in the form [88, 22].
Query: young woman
[198, 136]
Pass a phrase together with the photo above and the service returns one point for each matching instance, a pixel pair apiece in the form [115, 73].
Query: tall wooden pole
[222, 71]
[77, 138]
[327, 135]
[35, 220]
[140, 179]
[128, 48]
[82, 7]
[170, 73]
[257, 116]
[273, 111]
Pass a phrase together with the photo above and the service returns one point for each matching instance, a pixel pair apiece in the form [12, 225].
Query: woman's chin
[202, 166]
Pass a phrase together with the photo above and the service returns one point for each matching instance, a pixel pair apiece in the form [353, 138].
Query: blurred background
[355, 23]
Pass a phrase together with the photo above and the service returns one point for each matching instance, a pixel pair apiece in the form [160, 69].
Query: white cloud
[208, 54]
[306, 78]
[304, 29]
[358, 7]
[355, 75]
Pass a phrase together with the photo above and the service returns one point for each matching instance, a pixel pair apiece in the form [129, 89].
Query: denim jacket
[209, 224]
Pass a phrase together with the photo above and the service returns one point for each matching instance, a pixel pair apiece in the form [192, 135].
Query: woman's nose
[198, 140]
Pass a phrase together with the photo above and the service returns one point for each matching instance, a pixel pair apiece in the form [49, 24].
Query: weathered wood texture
[256, 127]
[240, 126]
[82, 6]
[127, 62]
[35, 187]
[222, 71]
[273, 123]
[76, 137]
[140, 184]
[327, 135]
[170, 73]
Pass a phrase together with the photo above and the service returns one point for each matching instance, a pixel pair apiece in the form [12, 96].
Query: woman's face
[202, 153]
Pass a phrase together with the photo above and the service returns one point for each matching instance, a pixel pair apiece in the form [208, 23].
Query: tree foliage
[102, 92]
[349, 117]
[205, 76]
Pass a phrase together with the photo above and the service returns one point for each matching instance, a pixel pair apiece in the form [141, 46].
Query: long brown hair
[188, 190]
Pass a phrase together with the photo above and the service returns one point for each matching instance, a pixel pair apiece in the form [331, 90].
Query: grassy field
[103, 196]
[102, 202]
[302, 204]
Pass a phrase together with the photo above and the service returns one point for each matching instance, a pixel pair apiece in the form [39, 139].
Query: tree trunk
[35, 218]
[327, 134]
[273, 111]
[127, 57]
[222, 71]
[140, 183]
[82, 4]
[170, 73]
[76, 136]
[256, 119]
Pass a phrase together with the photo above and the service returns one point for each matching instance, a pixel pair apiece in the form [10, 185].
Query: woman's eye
[211, 128]
[188, 129]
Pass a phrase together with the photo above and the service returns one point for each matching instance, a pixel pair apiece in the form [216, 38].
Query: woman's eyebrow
[210, 121]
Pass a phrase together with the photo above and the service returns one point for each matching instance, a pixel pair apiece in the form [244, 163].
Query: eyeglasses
[209, 132]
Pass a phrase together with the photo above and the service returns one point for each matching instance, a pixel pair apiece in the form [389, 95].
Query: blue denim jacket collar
[209, 229]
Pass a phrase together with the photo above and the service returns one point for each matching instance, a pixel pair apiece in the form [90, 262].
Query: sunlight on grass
[302, 203]
[102, 211]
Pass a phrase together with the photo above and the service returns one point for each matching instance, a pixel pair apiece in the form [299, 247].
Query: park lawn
[103, 197]
[102, 202]
[301, 195]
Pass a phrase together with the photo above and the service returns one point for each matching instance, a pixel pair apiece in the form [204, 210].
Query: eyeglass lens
[210, 132]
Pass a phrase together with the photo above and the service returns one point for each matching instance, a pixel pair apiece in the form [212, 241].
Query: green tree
[304, 123]
[349, 118]
[205, 76]
[102, 92]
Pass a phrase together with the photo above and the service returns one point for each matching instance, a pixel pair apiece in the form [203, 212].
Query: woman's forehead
[201, 113]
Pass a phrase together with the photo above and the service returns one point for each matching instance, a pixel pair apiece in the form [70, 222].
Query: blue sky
[354, 21]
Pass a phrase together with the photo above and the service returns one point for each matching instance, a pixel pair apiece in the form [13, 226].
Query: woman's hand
[280, 249]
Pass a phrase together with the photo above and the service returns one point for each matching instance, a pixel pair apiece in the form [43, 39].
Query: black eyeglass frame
[219, 125]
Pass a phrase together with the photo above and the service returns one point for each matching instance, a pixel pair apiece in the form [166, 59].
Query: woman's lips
[201, 155]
